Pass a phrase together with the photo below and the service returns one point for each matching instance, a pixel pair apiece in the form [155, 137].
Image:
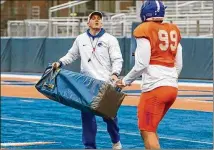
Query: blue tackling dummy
[80, 92]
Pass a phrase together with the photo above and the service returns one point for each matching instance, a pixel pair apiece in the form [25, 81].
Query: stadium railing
[194, 18]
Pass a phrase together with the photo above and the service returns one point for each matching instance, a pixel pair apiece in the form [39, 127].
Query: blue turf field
[32, 120]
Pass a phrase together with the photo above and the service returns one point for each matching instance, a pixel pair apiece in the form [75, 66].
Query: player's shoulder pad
[141, 31]
[175, 26]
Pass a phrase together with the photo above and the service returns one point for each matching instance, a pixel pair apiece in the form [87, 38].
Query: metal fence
[62, 27]
[194, 18]
[119, 25]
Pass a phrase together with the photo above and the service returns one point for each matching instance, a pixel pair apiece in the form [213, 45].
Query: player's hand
[119, 83]
[55, 65]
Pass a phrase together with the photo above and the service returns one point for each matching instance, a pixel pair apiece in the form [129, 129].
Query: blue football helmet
[152, 9]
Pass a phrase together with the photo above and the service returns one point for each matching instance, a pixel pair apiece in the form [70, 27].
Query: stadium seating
[194, 18]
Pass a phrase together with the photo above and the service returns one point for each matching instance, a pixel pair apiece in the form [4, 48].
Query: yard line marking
[43, 123]
[28, 101]
[169, 138]
[126, 133]
[25, 143]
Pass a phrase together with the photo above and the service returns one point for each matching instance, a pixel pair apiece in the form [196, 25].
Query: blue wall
[34, 54]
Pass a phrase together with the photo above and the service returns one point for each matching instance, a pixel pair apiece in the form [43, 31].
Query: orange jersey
[164, 39]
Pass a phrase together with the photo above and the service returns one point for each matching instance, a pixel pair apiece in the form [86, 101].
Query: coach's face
[95, 22]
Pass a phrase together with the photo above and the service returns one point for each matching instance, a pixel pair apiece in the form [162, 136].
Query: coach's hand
[55, 65]
[120, 84]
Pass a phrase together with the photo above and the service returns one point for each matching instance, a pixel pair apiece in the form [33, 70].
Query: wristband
[60, 63]
[116, 74]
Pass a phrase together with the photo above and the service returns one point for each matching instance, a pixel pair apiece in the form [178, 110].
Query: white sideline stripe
[26, 143]
[196, 84]
[20, 76]
[126, 133]
[135, 82]
[186, 84]
[196, 97]
[200, 101]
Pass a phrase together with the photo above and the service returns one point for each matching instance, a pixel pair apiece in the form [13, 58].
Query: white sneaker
[117, 145]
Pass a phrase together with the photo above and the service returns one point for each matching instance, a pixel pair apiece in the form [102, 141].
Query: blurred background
[60, 18]
[37, 32]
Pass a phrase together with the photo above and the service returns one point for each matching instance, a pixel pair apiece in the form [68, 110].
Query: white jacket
[153, 76]
[100, 64]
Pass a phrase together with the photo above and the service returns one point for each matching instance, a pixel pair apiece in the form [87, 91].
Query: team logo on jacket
[100, 44]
